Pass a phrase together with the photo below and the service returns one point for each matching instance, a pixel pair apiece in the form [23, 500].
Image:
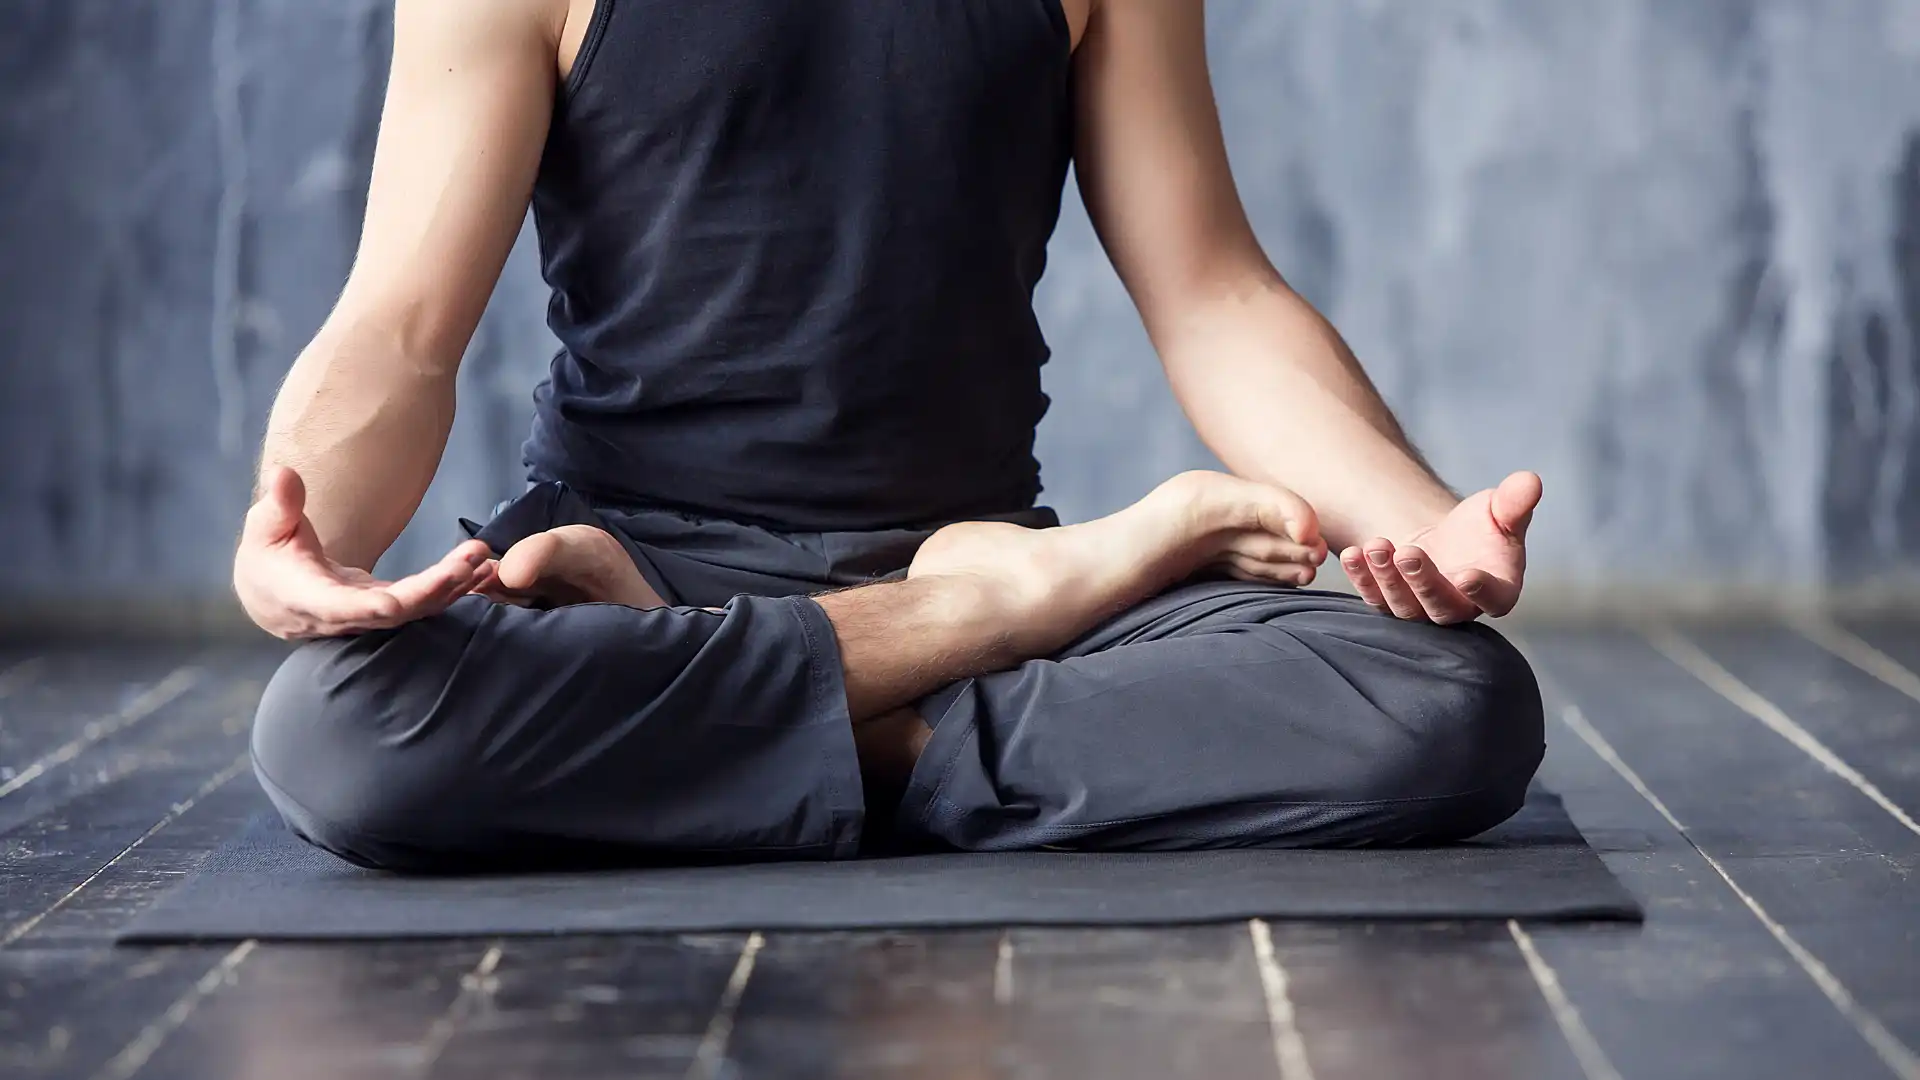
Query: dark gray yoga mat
[268, 884]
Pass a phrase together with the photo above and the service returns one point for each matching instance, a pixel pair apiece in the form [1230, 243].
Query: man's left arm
[1269, 384]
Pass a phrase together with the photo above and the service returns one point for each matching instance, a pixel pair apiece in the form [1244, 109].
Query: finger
[384, 609]
[1513, 503]
[466, 567]
[1438, 597]
[276, 515]
[486, 569]
[487, 577]
[460, 586]
[450, 577]
[1354, 562]
[482, 569]
[1393, 588]
[1488, 593]
[418, 592]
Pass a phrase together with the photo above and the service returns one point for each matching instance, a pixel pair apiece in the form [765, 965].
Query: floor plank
[181, 758]
[1701, 990]
[1438, 1001]
[1026, 1003]
[1872, 727]
[1183, 1001]
[67, 1013]
[1739, 788]
[1747, 798]
[863, 1004]
[219, 692]
[369, 1011]
[1859, 915]
[577, 1008]
[67, 690]
[1898, 641]
[123, 889]
[19, 667]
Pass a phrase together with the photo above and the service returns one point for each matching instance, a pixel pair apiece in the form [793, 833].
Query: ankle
[888, 746]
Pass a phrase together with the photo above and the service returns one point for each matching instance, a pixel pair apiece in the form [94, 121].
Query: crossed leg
[1223, 713]
[1217, 714]
[1228, 714]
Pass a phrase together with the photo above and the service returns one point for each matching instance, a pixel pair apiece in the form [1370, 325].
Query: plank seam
[1861, 653]
[1705, 668]
[1003, 970]
[137, 1053]
[474, 985]
[1890, 1049]
[148, 702]
[1289, 1048]
[712, 1052]
[172, 815]
[1593, 1060]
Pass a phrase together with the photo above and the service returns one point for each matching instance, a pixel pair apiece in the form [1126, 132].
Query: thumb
[277, 515]
[1513, 502]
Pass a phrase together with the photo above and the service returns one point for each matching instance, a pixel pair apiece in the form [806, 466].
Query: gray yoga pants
[1217, 714]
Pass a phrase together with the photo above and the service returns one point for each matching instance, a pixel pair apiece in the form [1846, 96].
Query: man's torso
[793, 248]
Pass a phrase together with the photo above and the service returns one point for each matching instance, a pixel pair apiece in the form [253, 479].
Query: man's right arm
[365, 411]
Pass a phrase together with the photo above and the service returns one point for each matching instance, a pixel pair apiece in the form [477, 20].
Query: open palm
[293, 590]
[1469, 563]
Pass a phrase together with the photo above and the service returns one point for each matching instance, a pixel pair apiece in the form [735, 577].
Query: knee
[347, 744]
[1446, 727]
[1477, 728]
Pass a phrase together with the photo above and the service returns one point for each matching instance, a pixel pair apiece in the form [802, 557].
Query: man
[793, 248]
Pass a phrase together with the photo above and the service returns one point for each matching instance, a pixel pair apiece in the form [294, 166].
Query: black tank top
[793, 246]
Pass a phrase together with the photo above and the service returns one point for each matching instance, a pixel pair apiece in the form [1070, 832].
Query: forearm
[1275, 392]
[365, 429]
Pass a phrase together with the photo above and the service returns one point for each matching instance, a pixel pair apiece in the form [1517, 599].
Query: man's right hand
[292, 590]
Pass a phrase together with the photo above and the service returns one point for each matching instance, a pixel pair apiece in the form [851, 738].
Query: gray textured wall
[1667, 252]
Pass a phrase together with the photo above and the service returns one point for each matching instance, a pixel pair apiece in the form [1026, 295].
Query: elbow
[1204, 304]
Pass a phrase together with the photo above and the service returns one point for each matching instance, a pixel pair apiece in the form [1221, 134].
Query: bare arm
[364, 413]
[1268, 382]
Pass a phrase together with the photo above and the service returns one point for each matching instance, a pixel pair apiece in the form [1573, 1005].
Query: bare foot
[573, 564]
[1256, 532]
[1253, 531]
[1058, 581]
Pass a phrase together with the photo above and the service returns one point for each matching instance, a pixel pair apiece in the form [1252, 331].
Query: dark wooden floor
[1755, 788]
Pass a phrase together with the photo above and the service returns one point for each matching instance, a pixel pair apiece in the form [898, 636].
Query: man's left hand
[1469, 563]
